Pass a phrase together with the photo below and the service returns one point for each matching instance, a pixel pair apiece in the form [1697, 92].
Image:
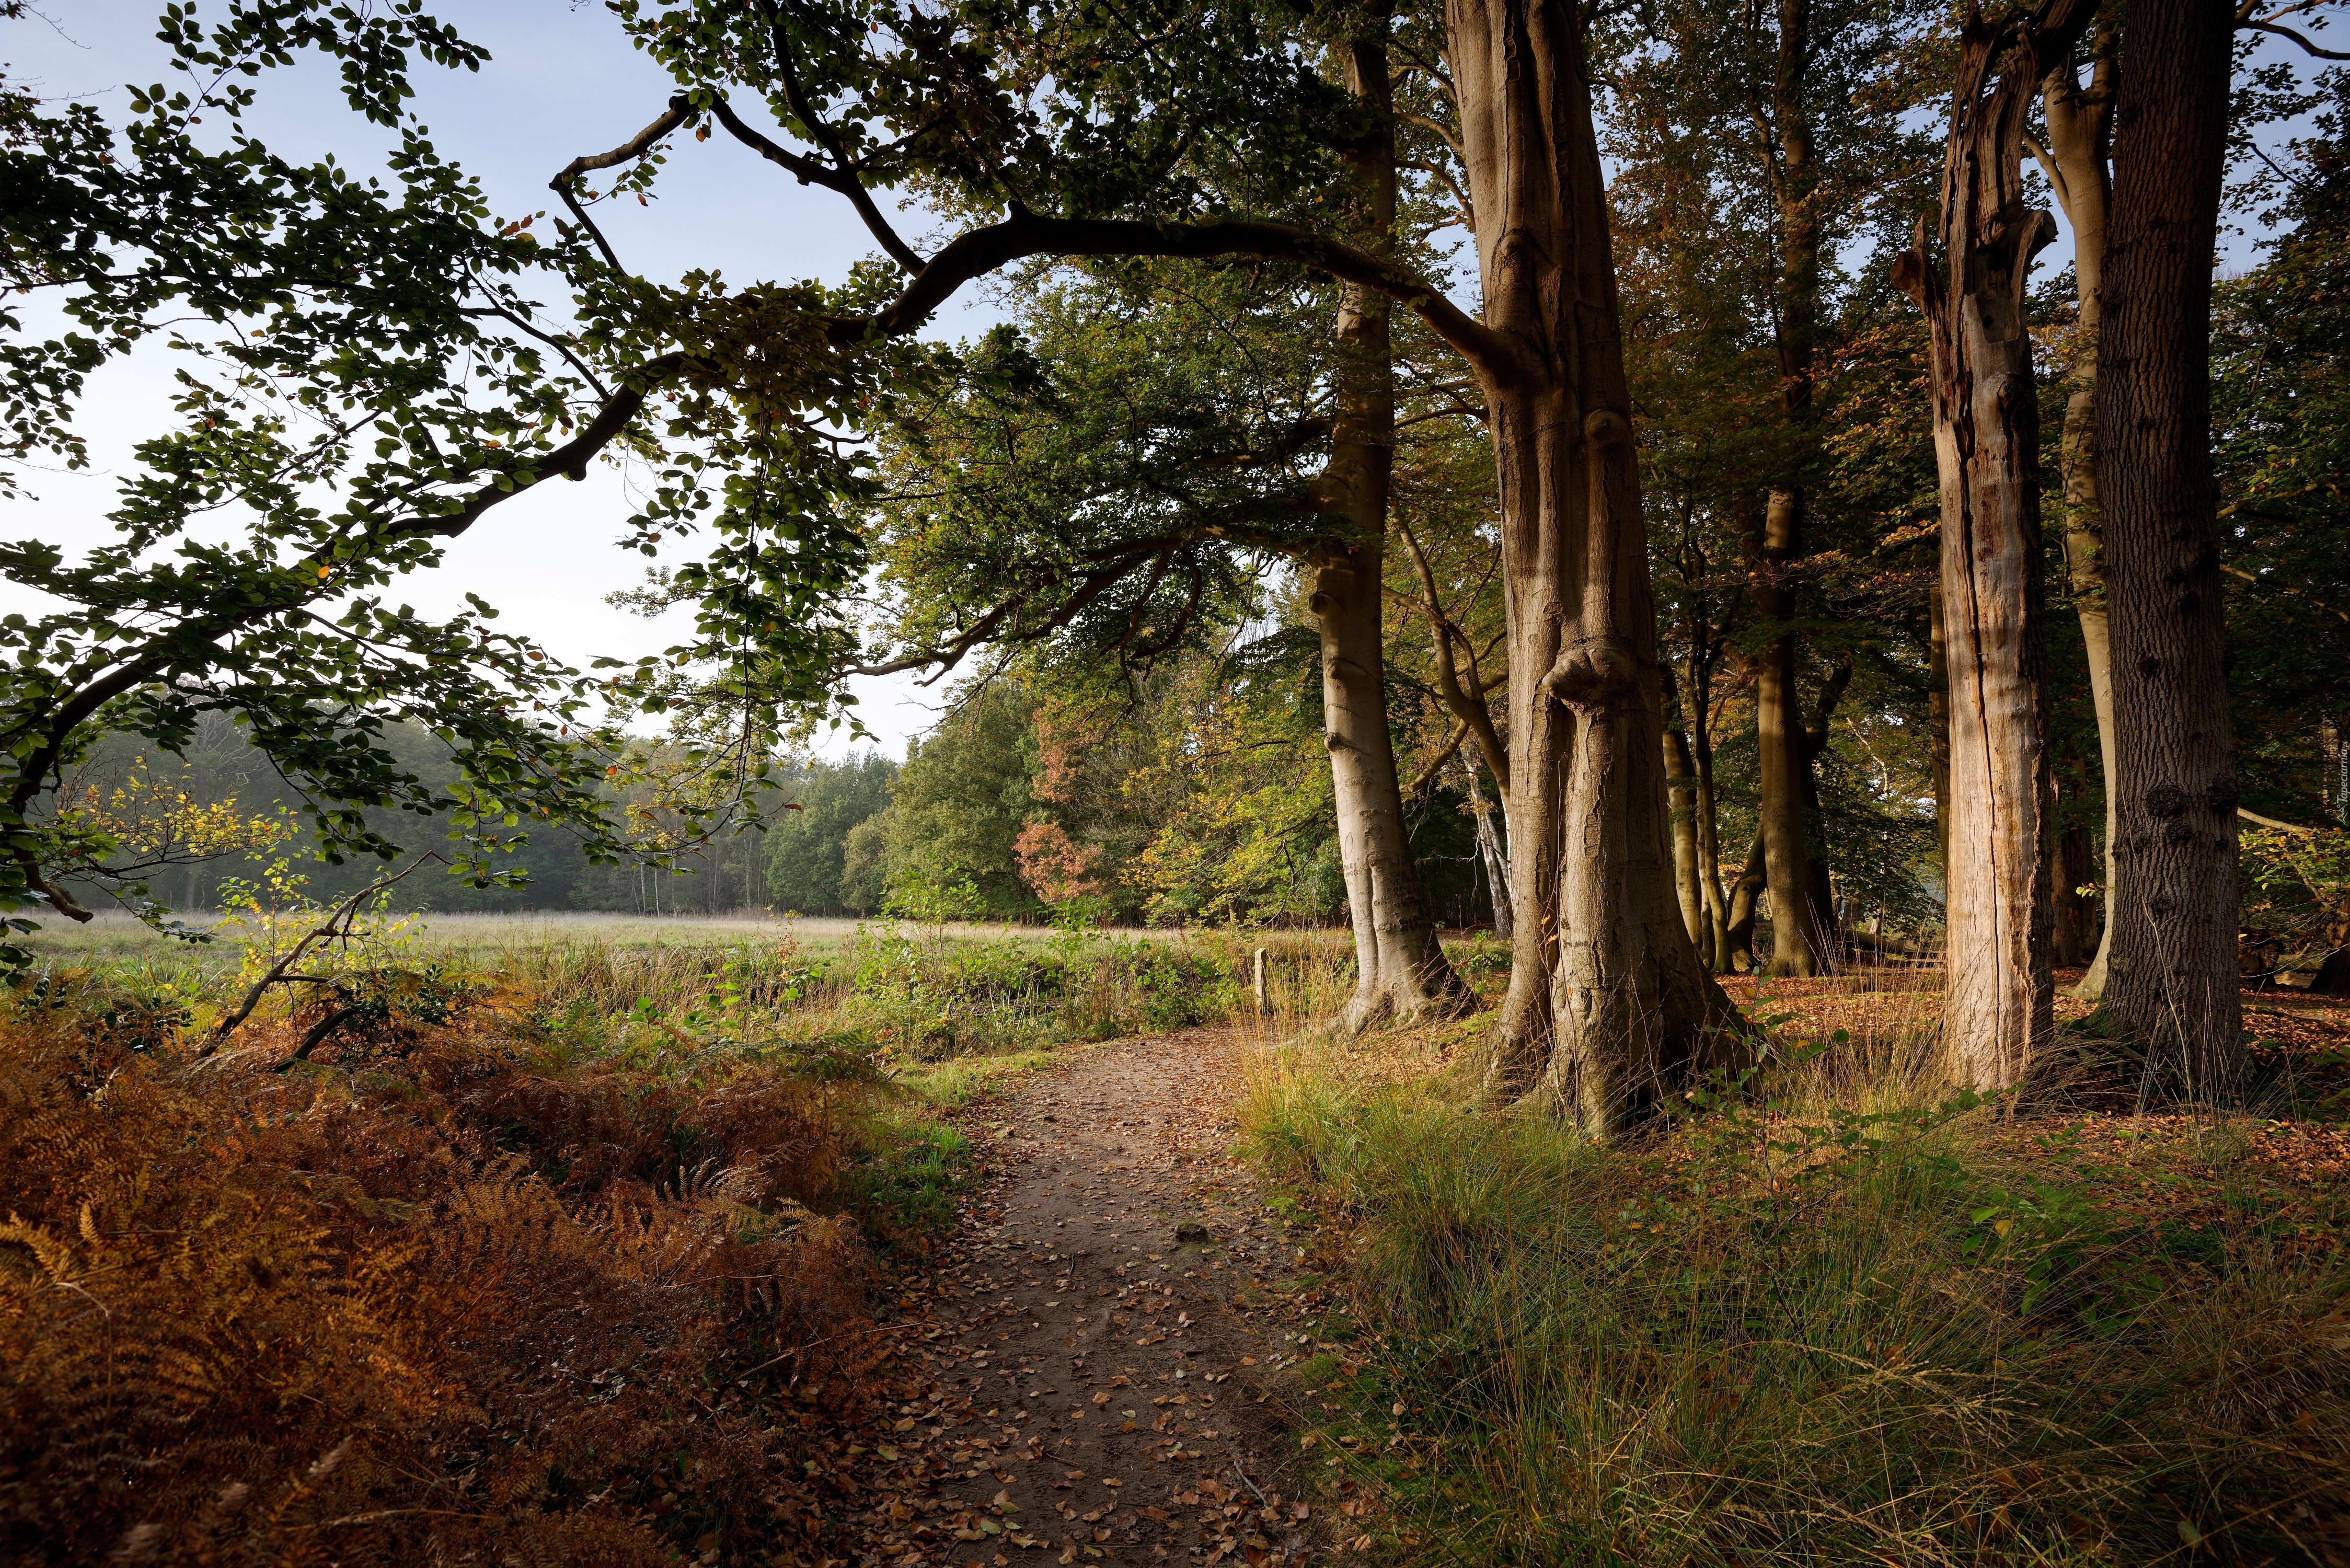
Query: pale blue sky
[562, 81]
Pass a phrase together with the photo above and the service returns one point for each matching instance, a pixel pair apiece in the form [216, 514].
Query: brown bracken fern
[458, 1306]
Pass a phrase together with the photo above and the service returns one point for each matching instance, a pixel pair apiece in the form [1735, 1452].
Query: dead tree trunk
[1938, 720]
[1608, 1006]
[1401, 964]
[2079, 166]
[1490, 846]
[2000, 1011]
[2171, 972]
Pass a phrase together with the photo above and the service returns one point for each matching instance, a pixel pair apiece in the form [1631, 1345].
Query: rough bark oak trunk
[1400, 965]
[2000, 1014]
[1608, 1006]
[2171, 972]
[2079, 166]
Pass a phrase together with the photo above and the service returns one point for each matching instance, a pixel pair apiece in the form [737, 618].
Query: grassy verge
[1832, 1319]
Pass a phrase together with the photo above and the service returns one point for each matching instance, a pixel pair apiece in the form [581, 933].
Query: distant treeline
[1002, 812]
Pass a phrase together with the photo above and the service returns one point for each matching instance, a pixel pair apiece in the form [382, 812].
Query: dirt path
[1101, 1349]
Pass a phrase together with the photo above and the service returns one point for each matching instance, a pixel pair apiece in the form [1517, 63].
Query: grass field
[112, 934]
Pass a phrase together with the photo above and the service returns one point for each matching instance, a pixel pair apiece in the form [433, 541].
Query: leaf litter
[1095, 1364]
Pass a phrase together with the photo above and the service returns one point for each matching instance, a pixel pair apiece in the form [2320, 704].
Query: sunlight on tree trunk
[2078, 165]
[1401, 970]
[2000, 1011]
[1779, 739]
[1608, 1006]
[1681, 776]
[1495, 855]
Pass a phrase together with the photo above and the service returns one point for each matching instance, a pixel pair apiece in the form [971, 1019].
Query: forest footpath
[1106, 1332]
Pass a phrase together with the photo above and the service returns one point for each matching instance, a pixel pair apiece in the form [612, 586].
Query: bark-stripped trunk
[1402, 968]
[1608, 1006]
[2171, 971]
[1938, 720]
[1495, 855]
[2078, 163]
[2000, 1011]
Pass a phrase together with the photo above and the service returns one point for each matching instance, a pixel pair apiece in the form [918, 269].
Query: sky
[562, 81]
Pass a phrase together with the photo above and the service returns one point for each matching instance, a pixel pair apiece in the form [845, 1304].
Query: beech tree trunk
[1680, 774]
[1779, 737]
[1999, 1014]
[1801, 910]
[1401, 970]
[1608, 1007]
[1715, 951]
[1824, 923]
[2076, 917]
[1745, 900]
[2171, 979]
[2078, 163]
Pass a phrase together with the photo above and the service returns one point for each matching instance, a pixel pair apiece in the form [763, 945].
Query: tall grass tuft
[1844, 1323]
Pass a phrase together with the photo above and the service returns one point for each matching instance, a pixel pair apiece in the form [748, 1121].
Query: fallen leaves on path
[1093, 1362]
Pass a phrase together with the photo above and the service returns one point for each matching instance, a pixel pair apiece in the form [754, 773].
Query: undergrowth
[458, 1288]
[558, 1253]
[1814, 1320]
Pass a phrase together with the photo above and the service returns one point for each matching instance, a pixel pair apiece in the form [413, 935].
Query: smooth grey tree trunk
[1681, 774]
[1608, 1008]
[1401, 971]
[1495, 853]
[1779, 740]
[1801, 916]
[2079, 165]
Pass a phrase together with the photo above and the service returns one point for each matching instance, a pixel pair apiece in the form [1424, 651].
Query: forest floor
[1105, 1336]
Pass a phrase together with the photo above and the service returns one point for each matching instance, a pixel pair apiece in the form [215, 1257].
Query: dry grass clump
[468, 1304]
[1831, 1318]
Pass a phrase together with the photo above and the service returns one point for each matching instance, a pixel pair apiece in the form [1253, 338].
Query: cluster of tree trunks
[1609, 1004]
[2141, 544]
